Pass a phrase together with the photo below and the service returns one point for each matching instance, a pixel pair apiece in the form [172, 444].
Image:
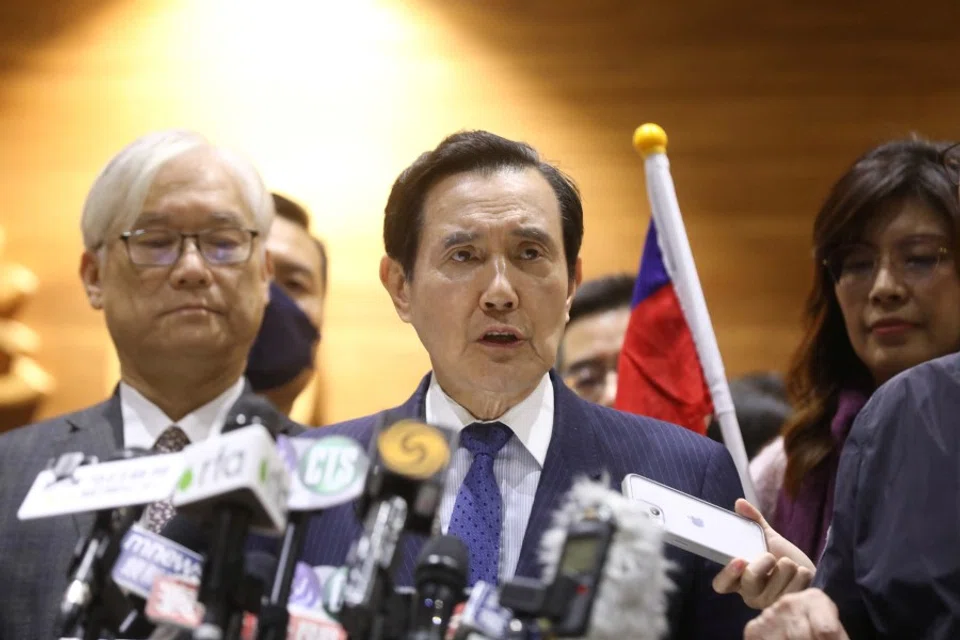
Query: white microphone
[238, 482]
[116, 491]
[78, 484]
[631, 598]
[240, 470]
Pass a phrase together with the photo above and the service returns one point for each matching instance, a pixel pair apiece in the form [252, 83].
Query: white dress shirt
[143, 421]
[517, 467]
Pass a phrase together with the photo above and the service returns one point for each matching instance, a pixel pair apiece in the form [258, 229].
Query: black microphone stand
[274, 617]
[92, 602]
[223, 574]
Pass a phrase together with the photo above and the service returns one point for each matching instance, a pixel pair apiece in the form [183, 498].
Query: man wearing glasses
[593, 337]
[173, 232]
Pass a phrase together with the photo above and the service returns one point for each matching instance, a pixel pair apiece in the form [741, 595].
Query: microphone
[236, 483]
[323, 473]
[173, 600]
[92, 601]
[441, 577]
[408, 465]
[604, 567]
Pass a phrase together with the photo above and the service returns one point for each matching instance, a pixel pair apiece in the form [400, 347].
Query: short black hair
[465, 152]
[297, 214]
[761, 404]
[602, 294]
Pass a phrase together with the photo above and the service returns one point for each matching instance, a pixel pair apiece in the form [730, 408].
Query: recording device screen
[579, 554]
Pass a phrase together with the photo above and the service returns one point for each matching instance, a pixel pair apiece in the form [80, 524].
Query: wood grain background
[765, 104]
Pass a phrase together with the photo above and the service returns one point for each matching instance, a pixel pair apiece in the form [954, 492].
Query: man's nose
[191, 269]
[609, 395]
[500, 295]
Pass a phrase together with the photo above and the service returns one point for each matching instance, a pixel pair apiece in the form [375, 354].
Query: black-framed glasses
[950, 159]
[854, 267]
[163, 247]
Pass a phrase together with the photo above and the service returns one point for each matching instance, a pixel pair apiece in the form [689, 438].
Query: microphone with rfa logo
[408, 468]
[116, 490]
[238, 482]
[324, 473]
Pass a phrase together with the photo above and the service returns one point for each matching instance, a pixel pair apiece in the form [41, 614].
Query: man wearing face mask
[281, 362]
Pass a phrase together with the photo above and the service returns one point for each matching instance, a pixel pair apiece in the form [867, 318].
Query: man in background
[590, 351]
[282, 360]
[590, 348]
[174, 257]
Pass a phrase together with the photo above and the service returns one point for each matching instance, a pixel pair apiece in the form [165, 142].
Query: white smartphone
[696, 525]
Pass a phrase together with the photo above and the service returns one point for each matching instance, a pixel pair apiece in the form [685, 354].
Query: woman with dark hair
[886, 297]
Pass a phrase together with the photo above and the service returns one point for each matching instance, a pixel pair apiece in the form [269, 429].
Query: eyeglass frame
[942, 252]
[127, 235]
[955, 168]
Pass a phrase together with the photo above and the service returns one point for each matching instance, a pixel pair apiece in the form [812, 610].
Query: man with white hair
[173, 232]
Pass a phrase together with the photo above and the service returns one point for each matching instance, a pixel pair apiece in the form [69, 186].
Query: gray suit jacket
[35, 554]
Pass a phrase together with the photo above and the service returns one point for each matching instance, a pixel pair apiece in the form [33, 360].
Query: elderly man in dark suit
[483, 242]
[173, 232]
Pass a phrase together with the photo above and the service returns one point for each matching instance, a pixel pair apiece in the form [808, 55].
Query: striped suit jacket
[587, 440]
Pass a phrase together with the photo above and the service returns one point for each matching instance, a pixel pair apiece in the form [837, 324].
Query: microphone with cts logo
[324, 473]
[237, 482]
[408, 467]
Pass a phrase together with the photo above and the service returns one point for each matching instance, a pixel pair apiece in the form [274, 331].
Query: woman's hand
[760, 582]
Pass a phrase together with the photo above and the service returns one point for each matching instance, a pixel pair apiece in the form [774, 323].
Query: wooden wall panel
[764, 102]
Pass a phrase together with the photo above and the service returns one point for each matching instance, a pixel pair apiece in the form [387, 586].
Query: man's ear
[268, 268]
[267, 271]
[573, 285]
[395, 282]
[90, 274]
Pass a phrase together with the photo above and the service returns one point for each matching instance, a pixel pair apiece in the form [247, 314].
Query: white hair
[118, 193]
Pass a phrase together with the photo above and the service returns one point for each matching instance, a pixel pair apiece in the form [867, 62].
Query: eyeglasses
[589, 380]
[163, 247]
[854, 268]
[950, 159]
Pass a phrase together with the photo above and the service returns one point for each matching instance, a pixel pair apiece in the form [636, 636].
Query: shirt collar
[531, 419]
[143, 421]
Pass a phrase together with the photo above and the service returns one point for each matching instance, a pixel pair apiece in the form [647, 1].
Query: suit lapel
[414, 408]
[98, 431]
[573, 452]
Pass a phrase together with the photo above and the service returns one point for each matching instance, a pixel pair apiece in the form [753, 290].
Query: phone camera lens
[655, 511]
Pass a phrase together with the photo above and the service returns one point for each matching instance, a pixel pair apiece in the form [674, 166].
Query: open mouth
[500, 338]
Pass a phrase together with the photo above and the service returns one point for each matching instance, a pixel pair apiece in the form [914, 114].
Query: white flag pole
[650, 141]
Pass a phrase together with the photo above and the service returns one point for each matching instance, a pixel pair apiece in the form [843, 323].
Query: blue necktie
[478, 511]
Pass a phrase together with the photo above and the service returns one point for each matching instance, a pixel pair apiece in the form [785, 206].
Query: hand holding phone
[696, 525]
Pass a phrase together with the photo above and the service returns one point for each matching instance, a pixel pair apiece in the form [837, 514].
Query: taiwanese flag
[659, 370]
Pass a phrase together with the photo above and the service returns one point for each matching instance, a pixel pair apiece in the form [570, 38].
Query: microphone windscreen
[631, 599]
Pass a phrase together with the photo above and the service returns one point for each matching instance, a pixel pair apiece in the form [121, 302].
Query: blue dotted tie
[478, 511]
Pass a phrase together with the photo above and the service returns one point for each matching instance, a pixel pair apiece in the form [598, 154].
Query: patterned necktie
[478, 511]
[156, 515]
